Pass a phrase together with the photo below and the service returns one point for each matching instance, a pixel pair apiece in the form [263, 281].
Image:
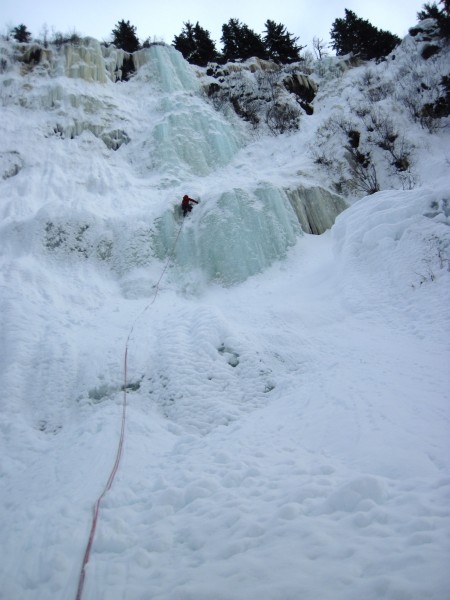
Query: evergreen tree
[429, 11]
[21, 33]
[359, 37]
[444, 19]
[442, 16]
[206, 47]
[280, 45]
[230, 39]
[185, 42]
[124, 37]
[241, 42]
[195, 44]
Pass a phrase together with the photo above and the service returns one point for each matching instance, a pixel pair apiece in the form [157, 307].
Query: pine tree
[230, 39]
[185, 42]
[280, 45]
[429, 11]
[442, 16]
[444, 19]
[195, 45]
[206, 47]
[240, 42]
[21, 33]
[344, 34]
[359, 37]
[124, 37]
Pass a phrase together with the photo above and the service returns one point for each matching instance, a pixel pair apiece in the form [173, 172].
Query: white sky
[302, 18]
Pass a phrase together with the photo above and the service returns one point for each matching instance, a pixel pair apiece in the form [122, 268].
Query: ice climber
[186, 205]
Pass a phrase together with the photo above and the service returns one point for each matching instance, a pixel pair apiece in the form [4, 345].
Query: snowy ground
[289, 437]
[286, 438]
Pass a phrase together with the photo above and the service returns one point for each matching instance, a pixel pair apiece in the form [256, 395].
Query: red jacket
[186, 200]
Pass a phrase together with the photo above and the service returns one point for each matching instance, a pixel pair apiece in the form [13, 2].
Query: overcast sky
[162, 20]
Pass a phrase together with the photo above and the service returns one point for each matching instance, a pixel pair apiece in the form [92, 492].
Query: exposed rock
[308, 108]
[32, 55]
[115, 138]
[425, 31]
[212, 88]
[10, 164]
[258, 64]
[87, 59]
[429, 50]
[252, 65]
[302, 86]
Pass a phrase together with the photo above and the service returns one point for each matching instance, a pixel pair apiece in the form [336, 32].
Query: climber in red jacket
[186, 205]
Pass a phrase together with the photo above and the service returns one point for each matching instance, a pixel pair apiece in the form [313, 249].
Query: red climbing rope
[112, 475]
[106, 488]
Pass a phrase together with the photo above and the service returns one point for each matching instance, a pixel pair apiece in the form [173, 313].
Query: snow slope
[287, 430]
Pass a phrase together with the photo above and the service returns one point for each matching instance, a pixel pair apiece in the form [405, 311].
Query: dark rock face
[301, 86]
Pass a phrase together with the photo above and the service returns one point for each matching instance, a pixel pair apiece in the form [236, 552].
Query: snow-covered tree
[442, 15]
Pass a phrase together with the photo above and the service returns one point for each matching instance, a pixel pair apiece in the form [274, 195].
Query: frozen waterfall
[189, 136]
[316, 208]
[238, 235]
[163, 139]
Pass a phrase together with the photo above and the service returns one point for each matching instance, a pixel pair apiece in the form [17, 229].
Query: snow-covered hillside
[287, 427]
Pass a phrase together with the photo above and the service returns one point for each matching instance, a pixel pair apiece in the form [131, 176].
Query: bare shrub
[373, 88]
[59, 39]
[423, 92]
[268, 85]
[385, 135]
[364, 174]
[282, 117]
[319, 47]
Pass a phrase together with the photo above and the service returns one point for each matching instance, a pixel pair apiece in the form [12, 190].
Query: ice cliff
[141, 145]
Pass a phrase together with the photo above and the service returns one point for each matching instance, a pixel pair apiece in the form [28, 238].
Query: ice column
[190, 138]
[239, 235]
[316, 207]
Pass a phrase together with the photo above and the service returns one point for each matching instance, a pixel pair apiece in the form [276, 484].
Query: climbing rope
[112, 475]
